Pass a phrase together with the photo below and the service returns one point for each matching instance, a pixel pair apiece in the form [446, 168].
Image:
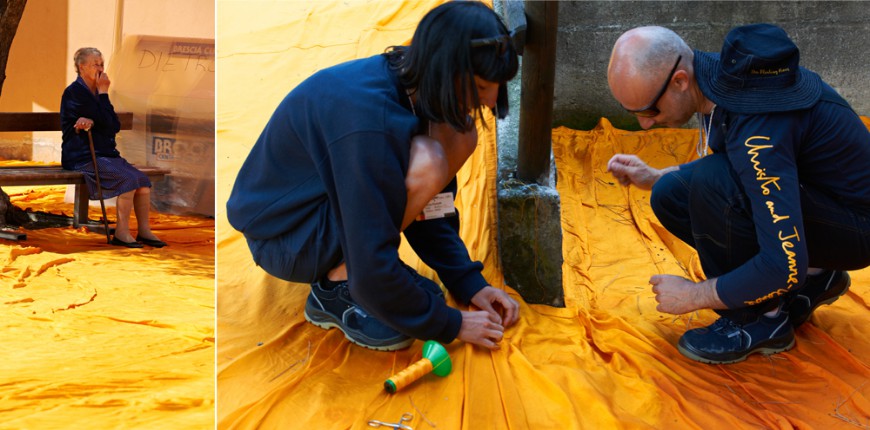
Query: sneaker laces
[726, 327]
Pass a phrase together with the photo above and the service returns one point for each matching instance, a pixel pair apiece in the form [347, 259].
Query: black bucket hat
[757, 72]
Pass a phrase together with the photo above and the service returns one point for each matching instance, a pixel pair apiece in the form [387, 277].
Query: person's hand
[678, 295]
[499, 303]
[84, 124]
[629, 169]
[103, 83]
[481, 328]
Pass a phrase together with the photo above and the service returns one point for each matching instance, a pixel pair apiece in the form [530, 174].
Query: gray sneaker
[335, 308]
[822, 289]
[725, 341]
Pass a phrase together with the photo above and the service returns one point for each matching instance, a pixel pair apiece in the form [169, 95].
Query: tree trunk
[10, 16]
[10, 214]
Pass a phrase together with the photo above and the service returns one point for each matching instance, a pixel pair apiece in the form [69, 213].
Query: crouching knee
[668, 193]
[428, 166]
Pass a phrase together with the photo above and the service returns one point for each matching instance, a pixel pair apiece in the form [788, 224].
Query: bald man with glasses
[778, 203]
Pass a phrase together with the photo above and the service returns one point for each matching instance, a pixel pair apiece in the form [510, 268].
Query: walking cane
[99, 188]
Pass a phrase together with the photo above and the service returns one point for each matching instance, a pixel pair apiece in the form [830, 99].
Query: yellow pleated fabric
[100, 336]
[607, 360]
[617, 244]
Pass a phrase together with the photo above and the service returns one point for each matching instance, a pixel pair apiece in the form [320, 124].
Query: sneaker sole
[765, 350]
[829, 301]
[326, 321]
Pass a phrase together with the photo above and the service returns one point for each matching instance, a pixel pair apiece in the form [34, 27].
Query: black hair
[452, 43]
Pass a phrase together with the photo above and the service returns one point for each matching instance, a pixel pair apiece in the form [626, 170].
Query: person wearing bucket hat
[778, 203]
[366, 151]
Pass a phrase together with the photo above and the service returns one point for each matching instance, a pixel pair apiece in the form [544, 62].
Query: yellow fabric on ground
[614, 244]
[607, 360]
[99, 336]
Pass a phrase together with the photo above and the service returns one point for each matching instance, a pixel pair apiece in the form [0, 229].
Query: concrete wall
[832, 36]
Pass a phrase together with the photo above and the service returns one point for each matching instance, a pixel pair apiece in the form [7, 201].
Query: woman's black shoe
[118, 242]
[156, 243]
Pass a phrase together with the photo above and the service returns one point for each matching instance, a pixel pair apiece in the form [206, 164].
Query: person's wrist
[711, 296]
[663, 172]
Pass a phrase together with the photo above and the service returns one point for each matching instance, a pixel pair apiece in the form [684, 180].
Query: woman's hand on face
[103, 83]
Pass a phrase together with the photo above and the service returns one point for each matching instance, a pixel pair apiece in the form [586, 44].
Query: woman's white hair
[82, 55]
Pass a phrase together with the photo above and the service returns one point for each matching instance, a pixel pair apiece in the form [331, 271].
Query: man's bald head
[645, 55]
[651, 75]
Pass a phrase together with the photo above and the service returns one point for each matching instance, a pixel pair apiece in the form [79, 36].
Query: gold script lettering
[792, 262]
[776, 218]
[760, 173]
[776, 293]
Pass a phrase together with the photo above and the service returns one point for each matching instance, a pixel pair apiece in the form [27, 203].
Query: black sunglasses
[651, 109]
[500, 41]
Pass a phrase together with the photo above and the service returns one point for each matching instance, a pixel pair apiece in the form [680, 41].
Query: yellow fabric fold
[622, 245]
[94, 335]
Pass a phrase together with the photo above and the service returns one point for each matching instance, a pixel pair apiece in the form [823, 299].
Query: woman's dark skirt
[117, 177]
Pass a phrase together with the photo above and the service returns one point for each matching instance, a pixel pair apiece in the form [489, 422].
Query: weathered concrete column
[529, 220]
[530, 242]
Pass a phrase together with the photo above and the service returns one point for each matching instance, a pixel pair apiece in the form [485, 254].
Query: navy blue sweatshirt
[78, 101]
[826, 147]
[342, 138]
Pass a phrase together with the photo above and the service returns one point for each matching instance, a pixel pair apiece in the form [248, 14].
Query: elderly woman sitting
[85, 106]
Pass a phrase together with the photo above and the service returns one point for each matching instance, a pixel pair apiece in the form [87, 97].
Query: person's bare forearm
[666, 170]
[707, 296]
[679, 295]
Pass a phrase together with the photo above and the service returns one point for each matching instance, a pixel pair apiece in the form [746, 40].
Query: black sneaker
[822, 289]
[725, 341]
[335, 308]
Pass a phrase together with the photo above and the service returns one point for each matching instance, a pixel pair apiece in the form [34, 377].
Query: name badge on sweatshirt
[439, 207]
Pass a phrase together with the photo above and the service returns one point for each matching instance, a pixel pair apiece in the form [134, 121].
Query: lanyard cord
[704, 135]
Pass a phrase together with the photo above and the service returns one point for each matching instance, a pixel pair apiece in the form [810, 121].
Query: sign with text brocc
[168, 84]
